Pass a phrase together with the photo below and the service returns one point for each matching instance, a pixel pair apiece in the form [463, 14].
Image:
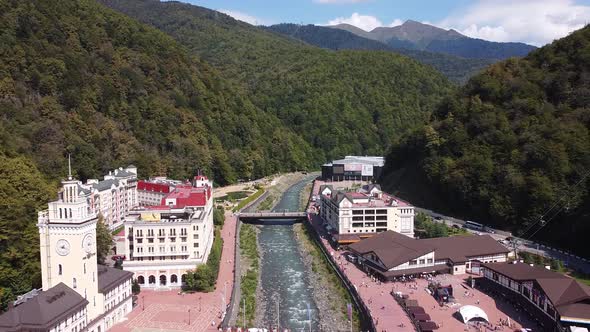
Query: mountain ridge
[420, 36]
[455, 68]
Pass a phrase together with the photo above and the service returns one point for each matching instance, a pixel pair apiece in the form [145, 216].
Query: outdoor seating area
[417, 314]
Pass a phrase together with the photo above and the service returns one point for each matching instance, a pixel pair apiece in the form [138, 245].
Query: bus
[474, 225]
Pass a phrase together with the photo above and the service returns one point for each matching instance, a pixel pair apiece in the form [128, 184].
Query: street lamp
[143, 301]
[189, 316]
[199, 304]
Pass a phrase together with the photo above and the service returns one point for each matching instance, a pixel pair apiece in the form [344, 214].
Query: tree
[135, 288]
[218, 216]
[104, 240]
[203, 278]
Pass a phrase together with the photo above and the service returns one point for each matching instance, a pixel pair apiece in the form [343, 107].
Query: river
[283, 275]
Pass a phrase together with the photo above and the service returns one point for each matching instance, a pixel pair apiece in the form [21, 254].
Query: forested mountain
[425, 37]
[80, 78]
[345, 102]
[454, 68]
[511, 148]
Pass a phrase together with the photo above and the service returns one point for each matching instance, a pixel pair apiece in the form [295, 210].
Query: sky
[535, 22]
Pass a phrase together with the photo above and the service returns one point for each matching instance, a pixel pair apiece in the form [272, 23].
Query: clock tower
[67, 232]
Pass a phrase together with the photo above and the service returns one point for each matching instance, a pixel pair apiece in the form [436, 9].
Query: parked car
[118, 257]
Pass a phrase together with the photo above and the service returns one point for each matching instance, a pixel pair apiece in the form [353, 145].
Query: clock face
[88, 243]
[62, 247]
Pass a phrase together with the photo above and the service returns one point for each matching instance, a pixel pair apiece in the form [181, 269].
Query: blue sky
[532, 21]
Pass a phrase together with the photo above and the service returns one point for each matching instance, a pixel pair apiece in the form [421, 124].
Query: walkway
[386, 313]
[197, 312]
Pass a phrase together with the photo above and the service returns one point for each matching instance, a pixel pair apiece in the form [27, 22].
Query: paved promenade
[386, 313]
[164, 311]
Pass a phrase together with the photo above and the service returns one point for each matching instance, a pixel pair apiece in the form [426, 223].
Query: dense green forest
[345, 102]
[80, 78]
[76, 77]
[512, 144]
[454, 68]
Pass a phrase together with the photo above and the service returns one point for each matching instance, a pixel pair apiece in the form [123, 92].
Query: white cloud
[339, 1]
[536, 22]
[365, 22]
[396, 22]
[244, 17]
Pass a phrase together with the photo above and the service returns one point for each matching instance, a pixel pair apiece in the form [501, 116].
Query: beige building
[163, 242]
[114, 196]
[88, 297]
[352, 216]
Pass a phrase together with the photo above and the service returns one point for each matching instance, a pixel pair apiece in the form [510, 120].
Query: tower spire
[69, 167]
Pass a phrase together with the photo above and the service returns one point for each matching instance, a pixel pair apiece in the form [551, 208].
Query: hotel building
[352, 216]
[114, 196]
[163, 242]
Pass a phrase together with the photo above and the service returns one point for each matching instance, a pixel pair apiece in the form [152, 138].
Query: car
[118, 257]
[439, 218]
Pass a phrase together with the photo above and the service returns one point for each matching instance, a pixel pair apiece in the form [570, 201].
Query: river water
[283, 275]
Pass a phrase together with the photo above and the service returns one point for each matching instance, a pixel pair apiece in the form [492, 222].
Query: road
[570, 260]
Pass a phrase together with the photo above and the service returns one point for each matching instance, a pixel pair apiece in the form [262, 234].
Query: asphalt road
[570, 260]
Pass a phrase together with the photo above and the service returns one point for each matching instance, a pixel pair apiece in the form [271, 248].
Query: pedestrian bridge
[263, 216]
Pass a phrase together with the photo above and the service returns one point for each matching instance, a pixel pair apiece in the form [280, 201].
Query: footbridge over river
[274, 216]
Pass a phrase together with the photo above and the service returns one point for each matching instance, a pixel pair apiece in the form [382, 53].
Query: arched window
[173, 279]
[59, 270]
[152, 279]
[74, 284]
[141, 280]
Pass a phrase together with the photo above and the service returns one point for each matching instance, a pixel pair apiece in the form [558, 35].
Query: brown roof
[461, 248]
[44, 310]
[109, 278]
[570, 297]
[392, 248]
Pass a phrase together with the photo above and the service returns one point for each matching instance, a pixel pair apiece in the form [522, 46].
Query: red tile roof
[151, 186]
[188, 196]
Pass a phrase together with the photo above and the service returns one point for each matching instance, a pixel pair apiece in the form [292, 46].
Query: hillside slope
[454, 68]
[345, 102]
[80, 78]
[511, 148]
[426, 37]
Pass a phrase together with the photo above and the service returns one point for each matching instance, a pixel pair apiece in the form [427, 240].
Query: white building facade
[163, 242]
[365, 212]
[114, 196]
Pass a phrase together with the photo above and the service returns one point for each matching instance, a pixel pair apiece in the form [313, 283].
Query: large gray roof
[105, 184]
[44, 310]
[109, 278]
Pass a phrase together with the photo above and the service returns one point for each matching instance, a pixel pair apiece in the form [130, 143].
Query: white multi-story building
[163, 242]
[114, 196]
[77, 294]
[356, 215]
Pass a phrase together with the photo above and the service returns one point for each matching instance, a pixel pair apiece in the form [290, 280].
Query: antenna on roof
[69, 167]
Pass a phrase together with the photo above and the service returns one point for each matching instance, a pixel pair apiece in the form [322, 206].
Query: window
[150, 240]
[59, 269]
[196, 245]
[381, 211]
[195, 236]
[413, 262]
[422, 261]
[430, 261]
[183, 239]
[74, 283]
[84, 268]
[139, 240]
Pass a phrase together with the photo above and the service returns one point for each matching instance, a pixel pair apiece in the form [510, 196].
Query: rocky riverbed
[330, 300]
